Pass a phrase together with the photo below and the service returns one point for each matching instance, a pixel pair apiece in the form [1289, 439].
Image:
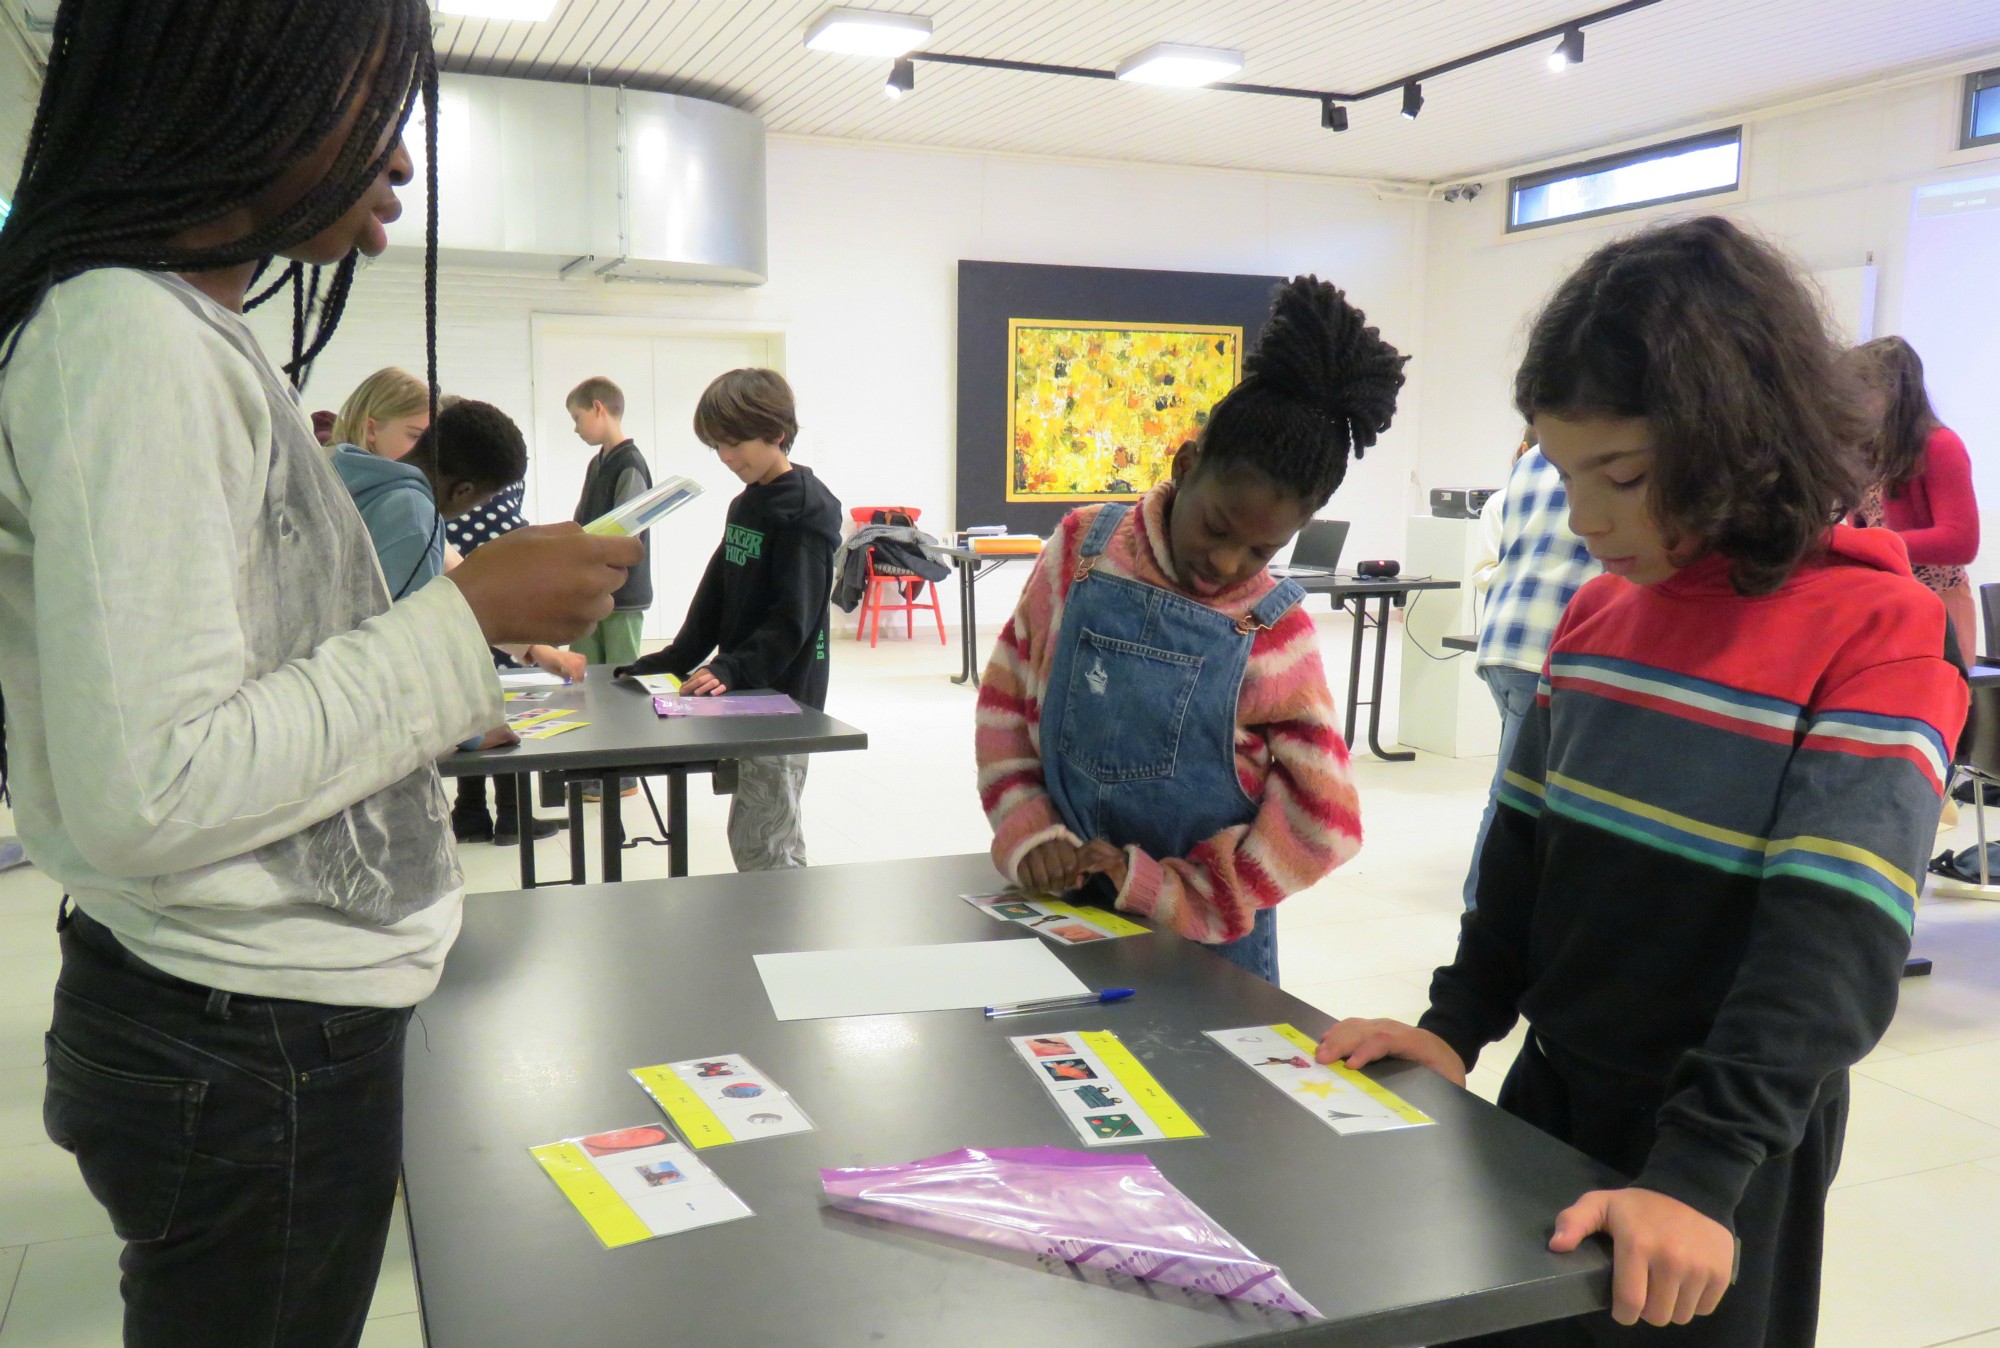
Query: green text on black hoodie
[762, 604]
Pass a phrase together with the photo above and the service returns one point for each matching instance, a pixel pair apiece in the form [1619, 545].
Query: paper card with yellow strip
[1339, 1097]
[1107, 1095]
[633, 1184]
[1064, 923]
[718, 1100]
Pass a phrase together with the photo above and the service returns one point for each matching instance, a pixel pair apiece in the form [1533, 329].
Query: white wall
[1832, 183]
[864, 247]
[20, 88]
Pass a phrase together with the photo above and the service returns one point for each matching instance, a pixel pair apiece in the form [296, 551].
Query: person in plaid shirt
[1542, 564]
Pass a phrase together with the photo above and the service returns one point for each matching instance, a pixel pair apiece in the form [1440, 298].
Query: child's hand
[1669, 1263]
[701, 683]
[1097, 856]
[1357, 1042]
[500, 737]
[547, 582]
[1050, 868]
[565, 665]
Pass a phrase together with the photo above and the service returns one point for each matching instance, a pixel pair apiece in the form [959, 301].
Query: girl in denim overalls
[1155, 724]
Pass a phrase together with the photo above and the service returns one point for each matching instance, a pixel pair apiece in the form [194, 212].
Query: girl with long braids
[1155, 724]
[222, 732]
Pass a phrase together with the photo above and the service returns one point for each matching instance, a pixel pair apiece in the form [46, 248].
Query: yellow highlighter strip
[1101, 918]
[690, 1113]
[1367, 1085]
[614, 1222]
[1146, 1092]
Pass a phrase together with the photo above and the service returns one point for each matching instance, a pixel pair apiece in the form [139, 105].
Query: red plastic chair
[887, 583]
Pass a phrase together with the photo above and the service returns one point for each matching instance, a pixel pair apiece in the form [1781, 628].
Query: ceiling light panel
[1172, 64]
[519, 11]
[867, 32]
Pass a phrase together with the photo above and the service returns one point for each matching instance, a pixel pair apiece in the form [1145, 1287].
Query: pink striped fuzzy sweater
[1289, 756]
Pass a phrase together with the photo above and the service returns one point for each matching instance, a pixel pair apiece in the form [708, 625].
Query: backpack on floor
[1962, 793]
[1964, 866]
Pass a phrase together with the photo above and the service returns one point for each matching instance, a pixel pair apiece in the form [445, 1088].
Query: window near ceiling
[1981, 123]
[1678, 170]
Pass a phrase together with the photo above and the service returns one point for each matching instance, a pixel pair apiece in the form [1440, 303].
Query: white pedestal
[1444, 707]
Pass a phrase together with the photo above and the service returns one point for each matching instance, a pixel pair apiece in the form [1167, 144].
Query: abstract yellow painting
[1095, 411]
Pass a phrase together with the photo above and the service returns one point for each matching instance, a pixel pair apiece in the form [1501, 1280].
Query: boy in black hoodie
[759, 618]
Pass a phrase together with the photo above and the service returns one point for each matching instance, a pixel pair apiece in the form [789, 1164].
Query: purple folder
[729, 704]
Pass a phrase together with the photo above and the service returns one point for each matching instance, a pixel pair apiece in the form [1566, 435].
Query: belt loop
[65, 915]
[218, 1004]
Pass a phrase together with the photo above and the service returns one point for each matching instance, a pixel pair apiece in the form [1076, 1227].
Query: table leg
[966, 642]
[1354, 663]
[611, 829]
[972, 627]
[1375, 703]
[578, 853]
[524, 799]
[677, 822]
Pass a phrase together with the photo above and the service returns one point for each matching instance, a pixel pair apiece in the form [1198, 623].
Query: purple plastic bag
[1104, 1211]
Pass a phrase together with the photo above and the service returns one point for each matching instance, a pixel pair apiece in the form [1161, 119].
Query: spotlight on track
[1413, 100]
[1332, 116]
[1568, 52]
[902, 78]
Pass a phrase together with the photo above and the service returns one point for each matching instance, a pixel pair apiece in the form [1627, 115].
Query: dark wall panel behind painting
[990, 293]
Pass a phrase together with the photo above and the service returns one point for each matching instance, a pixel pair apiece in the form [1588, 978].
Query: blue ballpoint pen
[1057, 1003]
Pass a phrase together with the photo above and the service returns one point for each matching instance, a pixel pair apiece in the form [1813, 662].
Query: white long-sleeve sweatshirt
[222, 733]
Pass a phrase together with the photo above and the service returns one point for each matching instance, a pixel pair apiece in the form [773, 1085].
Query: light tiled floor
[1914, 1222]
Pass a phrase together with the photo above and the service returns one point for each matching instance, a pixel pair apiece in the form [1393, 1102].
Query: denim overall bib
[1139, 721]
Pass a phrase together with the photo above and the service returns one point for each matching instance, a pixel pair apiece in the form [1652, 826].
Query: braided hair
[1321, 385]
[157, 116]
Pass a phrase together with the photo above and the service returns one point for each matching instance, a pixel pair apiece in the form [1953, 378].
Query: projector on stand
[1455, 503]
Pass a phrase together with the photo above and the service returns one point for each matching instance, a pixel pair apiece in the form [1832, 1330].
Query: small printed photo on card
[1097, 1097]
[625, 1139]
[1113, 1125]
[1051, 1047]
[1069, 1069]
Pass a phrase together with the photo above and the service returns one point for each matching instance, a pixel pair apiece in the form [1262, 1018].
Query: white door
[662, 377]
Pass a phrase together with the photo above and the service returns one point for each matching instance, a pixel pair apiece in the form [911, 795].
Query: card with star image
[1343, 1099]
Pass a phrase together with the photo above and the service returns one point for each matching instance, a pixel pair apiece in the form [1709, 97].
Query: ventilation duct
[592, 182]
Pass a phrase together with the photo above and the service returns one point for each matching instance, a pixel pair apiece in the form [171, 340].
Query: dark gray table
[1405, 1238]
[970, 566]
[1354, 595]
[626, 738]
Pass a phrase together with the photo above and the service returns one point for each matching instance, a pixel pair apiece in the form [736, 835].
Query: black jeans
[1781, 1222]
[246, 1148]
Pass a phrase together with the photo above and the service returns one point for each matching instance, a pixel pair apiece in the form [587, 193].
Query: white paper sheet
[531, 678]
[816, 984]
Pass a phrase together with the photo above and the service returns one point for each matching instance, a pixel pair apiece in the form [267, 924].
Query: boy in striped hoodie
[1155, 722]
[1699, 885]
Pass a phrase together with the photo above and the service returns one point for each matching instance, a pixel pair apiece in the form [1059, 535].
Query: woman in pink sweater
[1155, 724]
[1923, 482]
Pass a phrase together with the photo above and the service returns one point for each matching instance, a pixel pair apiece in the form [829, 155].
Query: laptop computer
[1318, 550]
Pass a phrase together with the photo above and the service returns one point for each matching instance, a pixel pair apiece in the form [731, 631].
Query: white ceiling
[1677, 62]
